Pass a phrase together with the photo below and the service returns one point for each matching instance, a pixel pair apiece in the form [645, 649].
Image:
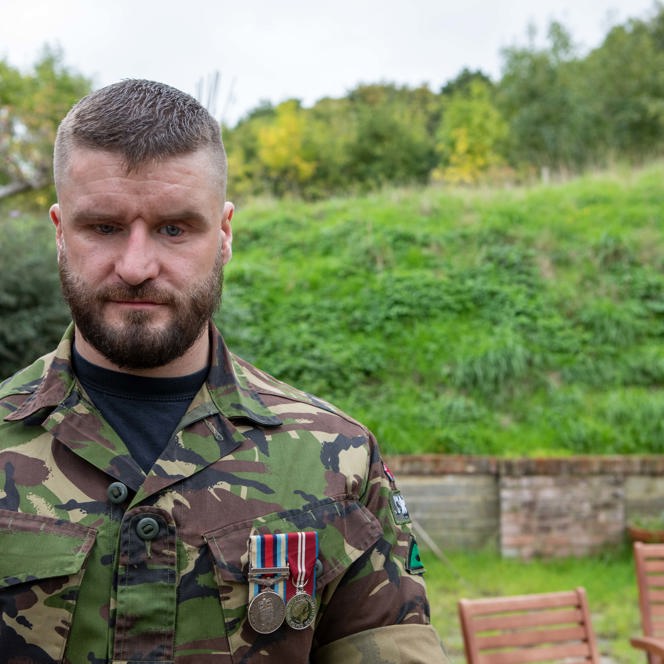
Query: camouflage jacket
[83, 581]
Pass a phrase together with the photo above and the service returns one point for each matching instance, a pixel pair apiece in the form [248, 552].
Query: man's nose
[138, 260]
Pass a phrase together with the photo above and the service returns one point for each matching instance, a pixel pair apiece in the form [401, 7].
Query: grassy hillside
[484, 322]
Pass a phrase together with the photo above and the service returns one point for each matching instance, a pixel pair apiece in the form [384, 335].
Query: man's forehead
[84, 153]
[105, 174]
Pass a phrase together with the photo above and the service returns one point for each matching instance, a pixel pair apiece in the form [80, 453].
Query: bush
[33, 312]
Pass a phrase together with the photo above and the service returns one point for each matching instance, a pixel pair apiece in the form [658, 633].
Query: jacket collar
[232, 388]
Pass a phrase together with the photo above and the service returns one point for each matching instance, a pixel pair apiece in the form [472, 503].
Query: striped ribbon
[268, 551]
[302, 555]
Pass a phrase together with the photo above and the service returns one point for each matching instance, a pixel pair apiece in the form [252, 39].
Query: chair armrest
[649, 644]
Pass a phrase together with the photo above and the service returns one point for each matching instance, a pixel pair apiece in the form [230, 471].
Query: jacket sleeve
[380, 603]
[395, 644]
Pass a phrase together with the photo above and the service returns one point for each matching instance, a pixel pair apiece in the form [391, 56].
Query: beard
[135, 343]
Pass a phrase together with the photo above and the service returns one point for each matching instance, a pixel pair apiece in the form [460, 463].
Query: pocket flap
[37, 547]
[346, 529]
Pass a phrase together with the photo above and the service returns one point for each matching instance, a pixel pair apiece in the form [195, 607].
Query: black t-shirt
[143, 411]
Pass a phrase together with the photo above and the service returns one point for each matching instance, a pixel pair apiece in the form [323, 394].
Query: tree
[280, 149]
[393, 143]
[541, 98]
[331, 130]
[470, 135]
[31, 106]
[463, 81]
[625, 88]
[246, 172]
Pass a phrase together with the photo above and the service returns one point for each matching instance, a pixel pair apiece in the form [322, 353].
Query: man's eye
[171, 231]
[105, 229]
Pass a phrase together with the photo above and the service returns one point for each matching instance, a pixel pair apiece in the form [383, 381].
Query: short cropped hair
[143, 121]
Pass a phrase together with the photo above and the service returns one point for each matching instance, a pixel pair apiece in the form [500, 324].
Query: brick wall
[528, 507]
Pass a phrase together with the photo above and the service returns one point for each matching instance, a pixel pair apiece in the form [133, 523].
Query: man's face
[141, 254]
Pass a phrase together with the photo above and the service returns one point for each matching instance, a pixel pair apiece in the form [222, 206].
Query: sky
[273, 50]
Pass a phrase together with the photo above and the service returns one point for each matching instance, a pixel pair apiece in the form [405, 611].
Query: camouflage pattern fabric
[101, 563]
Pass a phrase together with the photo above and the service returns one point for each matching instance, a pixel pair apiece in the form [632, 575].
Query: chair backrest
[649, 561]
[546, 627]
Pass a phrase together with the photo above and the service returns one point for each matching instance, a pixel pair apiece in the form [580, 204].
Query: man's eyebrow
[182, 215]
[93, 215]
[110, 216]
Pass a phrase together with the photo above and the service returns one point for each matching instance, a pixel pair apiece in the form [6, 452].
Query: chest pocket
[346, 529]
[42, 561]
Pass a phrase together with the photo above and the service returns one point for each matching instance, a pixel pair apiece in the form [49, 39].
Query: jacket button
[147, 528]
[117, 492]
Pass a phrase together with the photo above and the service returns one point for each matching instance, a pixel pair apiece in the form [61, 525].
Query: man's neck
[194, 359]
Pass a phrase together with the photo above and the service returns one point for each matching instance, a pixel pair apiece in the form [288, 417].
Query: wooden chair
[547, 627]
[649, 561]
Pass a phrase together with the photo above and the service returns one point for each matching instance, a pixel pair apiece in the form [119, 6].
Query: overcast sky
[277, 49]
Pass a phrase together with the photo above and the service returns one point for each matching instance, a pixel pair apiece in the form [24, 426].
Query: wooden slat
[531, 637]
[656, 582]
[515, 620]
[523, 602]
[544, 654]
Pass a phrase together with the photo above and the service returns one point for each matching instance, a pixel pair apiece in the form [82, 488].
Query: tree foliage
[552, 110]
[31, 106]
[625, 85]
[539, 94]
[392, 143]
[470, 135]
[379, 134]
[281, 146]
[33, 311]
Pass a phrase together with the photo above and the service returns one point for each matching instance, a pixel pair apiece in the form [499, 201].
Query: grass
[463, 321]
[609, 580]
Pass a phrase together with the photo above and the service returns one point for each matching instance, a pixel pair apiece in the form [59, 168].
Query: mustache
[140, 293]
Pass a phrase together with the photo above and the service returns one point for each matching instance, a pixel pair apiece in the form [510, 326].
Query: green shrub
[33, 313]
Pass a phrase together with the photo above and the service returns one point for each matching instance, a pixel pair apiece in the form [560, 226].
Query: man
[161, 500]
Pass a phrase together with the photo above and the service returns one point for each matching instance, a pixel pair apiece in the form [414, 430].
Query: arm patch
[414, 564]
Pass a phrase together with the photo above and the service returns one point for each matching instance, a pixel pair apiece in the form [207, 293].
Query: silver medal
[266, 611]
[300, 610]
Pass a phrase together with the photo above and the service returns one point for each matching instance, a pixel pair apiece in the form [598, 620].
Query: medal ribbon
[302, 555]
[267, 551]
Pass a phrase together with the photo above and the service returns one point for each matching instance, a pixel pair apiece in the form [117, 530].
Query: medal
[302, 555]
[268, 575]
[300, 610]
[266, 611]
[282, 581]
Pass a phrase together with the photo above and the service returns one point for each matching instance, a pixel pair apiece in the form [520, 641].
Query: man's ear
[56, 217]
[227, 232]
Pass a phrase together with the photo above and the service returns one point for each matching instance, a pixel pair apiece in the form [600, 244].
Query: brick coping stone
[459, 464]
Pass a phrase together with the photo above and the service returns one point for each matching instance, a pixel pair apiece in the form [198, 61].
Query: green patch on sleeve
[414, 564]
